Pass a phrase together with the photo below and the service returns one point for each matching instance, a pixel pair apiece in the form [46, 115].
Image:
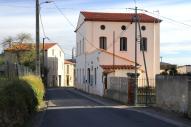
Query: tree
[24, 38]
[7, 42]
[1, 59]
[23, 50]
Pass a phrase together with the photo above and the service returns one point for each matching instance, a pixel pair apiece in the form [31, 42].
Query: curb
[167, 120]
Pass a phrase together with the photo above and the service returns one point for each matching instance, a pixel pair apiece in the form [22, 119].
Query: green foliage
[19, 99]
[37, 86]
[1, 59]
[28, 59]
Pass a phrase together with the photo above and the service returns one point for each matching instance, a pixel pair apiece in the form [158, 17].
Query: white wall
[70, 73]
[55, 58]
[88, 36]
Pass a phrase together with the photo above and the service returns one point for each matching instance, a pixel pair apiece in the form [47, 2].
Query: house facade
[185, 69]
[106, 47]
[69, 68]
[54, 62]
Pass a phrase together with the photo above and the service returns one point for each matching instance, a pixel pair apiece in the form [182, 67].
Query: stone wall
[120, 89]
[174, 93]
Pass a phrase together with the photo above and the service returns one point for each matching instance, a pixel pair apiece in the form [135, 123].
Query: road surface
[68, 108]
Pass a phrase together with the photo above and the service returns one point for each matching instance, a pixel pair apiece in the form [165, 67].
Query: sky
[18, 16]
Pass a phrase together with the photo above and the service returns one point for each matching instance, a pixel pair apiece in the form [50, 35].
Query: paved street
[69, 108]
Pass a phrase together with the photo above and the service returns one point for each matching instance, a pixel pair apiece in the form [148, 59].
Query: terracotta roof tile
[117, 67]
[19, 47]
[28, 46]
[68, 62]
[118, 17]
[48, 45]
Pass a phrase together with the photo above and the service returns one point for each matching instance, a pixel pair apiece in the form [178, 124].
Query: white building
[106, 47]
[69, 73]
[184, 69]
[54, 61]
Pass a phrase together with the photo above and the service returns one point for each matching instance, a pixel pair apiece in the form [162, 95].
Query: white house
[69, 73]
[106, 47]
[54, 61]
[184, 69]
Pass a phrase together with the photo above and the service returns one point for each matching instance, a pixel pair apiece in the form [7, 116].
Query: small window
[102, 27]
[143, 44]
[89, 76]
[143, 28]
[103, 43]
[52, 52]
[95, 71]
[123, 27]
[123, 44]
[68, 69]
[80, 49]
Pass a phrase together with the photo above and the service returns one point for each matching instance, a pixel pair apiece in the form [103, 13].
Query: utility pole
[37, 39]
[113, 50]
[135, 19]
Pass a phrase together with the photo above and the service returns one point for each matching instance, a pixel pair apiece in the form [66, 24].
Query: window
[123, 27]
[143, 44]
[67, 69]
[102, 27]
[95, 75]
[89, 76]
[83, 45]
[143, 28]
[103, 43]
[123, 44]
[80, 51]
[52, 52]
[77, 49]
[60, 54]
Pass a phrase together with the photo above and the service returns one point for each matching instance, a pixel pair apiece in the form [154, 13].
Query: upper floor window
[102, 27]
[103, 43]
[123, 27]
[123, 44]
[67, 69]
[52, 52]
[143, 44]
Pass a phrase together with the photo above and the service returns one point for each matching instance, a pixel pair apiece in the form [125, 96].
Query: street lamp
[38, 35]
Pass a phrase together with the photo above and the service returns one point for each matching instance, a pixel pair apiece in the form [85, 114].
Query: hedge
[19, 99]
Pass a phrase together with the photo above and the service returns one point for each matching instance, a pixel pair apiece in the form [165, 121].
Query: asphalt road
[69, 109]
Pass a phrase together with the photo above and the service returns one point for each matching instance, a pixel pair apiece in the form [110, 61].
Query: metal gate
[146, 94]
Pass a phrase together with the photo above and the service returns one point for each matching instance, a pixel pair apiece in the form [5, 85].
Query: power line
[73, 25]
[42, 25]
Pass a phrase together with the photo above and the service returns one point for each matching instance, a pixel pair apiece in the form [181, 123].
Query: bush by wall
[19, 99]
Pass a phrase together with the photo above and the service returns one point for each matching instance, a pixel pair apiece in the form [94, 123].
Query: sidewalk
[167, 116]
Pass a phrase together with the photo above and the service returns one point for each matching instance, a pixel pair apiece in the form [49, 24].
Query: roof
[117, 67]
[19, 47]
[117, 17]
[28, 46]
[48, 45]
[164, 66]
[68, 62]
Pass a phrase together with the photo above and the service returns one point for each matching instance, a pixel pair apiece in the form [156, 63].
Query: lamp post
[38, 36]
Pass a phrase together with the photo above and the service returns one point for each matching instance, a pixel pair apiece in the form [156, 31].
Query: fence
[146, 93]
[11, 71]
[123, 89]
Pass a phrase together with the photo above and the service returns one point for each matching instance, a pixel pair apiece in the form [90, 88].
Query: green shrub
[19, 100]
[37, 86]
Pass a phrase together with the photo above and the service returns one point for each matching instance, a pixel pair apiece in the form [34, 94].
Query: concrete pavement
[71, 108]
